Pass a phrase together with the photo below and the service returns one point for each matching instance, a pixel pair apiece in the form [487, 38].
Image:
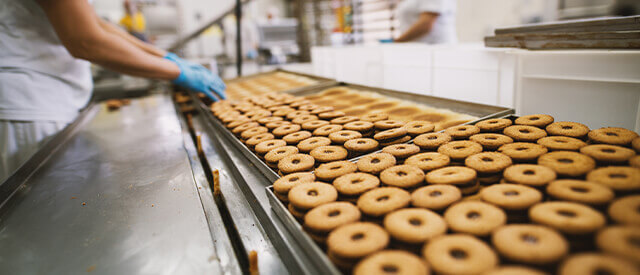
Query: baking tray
[479, 110]
[482, 111]
[322, 81]
[295, 228]
[319, 258]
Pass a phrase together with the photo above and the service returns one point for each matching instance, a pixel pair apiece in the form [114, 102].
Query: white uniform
[444, 28]
[42, 87]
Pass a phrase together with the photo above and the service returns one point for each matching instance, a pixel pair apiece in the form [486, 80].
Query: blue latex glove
[252, 54]
[385, 41]
[197, 78]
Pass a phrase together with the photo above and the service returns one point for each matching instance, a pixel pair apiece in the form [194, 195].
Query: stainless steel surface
[223, 246]
[600, 24]
[310, 248]
[250, 229]
[623, 40]
[118, 197]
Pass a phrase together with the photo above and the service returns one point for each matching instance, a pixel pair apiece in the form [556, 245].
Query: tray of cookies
[273, 81]
[282, 133]
[392, 109]
[522, 195]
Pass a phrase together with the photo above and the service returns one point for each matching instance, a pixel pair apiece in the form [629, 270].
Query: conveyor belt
[118, 197]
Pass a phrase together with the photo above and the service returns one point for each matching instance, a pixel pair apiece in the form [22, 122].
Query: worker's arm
[80, 31]
[420, 28]
[135, 41]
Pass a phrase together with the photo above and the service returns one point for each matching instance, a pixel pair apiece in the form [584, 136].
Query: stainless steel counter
[118, 197]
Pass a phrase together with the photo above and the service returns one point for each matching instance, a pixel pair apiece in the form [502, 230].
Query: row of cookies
[267, 83]
[307, 134]
[497, 205]
[359, 102]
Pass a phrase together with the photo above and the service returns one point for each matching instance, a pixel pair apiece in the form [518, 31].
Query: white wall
[477, 19]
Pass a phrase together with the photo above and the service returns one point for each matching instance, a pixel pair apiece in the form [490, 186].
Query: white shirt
[39, 79]
[444, 28]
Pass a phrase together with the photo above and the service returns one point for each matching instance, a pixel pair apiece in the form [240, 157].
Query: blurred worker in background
[427, 21]
[45, 78]
[133, 21]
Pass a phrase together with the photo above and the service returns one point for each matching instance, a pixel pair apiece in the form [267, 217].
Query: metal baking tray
[482, 111]
[319, 258]
[479, 110]
[295, 228]
[322, 81]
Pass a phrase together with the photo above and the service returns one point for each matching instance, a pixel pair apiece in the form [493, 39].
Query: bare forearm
[79, 30]
[419, 29]
[131, 39]
[117, 54]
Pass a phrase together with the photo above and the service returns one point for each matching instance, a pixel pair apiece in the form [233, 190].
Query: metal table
[115, 193]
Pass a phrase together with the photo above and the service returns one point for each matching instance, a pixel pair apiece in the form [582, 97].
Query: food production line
[161, 186]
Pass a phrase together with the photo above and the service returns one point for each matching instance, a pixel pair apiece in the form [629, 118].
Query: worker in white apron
[45, 78]
[427, 21]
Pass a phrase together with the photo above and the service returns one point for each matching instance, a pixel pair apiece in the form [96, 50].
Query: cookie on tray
[530, 244]
[306, 196]
[529, 174]
[354, 184]
[435, 197]
[329, 171]
[567, 217]
[537, 120]
[428, 161]
[401, 262]
[613, 136]
[375, 163]
[414, 225]
[474, 217]
[568, 129]
[580, 191]
[431, 141]
[494, 125]
[618, 178]
[561, 143]
[361, 145]
[568, 164]
[459, 254]
[383, 200]
[522, 151]
[324, 154]
[403, 176]
[417, 127]
[462, 132]
[296, 163]
[491, 141]
[523, 133]
[357, 240]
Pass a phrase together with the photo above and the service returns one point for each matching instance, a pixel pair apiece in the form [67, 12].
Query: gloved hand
[385, 41]
[252, 54]
[197, 78]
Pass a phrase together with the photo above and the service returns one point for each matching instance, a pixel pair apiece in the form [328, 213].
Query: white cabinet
[596, 87]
